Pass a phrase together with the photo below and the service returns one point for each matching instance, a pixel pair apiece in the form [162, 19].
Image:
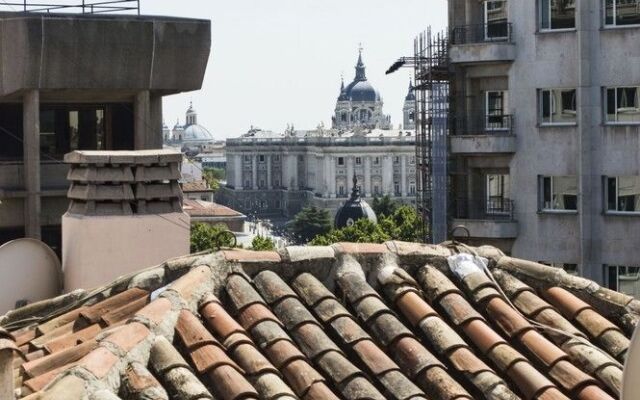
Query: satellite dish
[630, 389]
[29, 271]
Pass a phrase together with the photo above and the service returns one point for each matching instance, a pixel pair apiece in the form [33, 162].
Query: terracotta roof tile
[278, 332]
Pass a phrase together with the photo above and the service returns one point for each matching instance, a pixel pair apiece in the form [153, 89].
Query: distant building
[191, 136]
[197, 190]
[354, 209]
[409, 110]
[359, 105]
[208, 212]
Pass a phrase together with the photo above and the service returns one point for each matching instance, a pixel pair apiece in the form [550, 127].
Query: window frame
[550, 29]
[553, 105]
[541, 193]
[605, 102]
[605, 197]
[607, 269]
[614, 25]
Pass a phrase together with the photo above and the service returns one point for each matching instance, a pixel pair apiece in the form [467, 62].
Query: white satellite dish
[630, 388]
[29, 271]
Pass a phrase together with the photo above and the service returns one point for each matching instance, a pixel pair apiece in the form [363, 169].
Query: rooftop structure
[354, 209]
[348, 321]
[207, 212]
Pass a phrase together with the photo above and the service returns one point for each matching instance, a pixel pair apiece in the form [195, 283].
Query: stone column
[268, 161]
[332, 177]
[254, 172]
[387, 174]
[237, 173]
[142, 121]
[292, 172]
[367, 176]
[31, 148]
[403, 175]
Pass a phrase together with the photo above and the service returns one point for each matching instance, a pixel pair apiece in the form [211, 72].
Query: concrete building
[82, 82]
[276, 175]
[547, 130]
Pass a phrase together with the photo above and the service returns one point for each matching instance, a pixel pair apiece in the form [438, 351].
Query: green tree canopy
[208, 237]
[213, 176]
[260, 243]
[309, 223]
[384, 205]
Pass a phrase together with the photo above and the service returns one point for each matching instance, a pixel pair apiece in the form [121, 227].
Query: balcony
[482, 43]
[478, 133]
[490, 219]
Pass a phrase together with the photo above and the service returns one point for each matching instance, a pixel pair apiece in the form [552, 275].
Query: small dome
[363, 91]
[197, 133]
[354, 209]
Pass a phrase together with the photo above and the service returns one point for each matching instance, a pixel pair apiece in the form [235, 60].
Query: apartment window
[558, 193]
[261, 158]
[358, 161]
[622, 194]
[623, 278]
[623, 105]
[558, 107]
[498, 192]
[340, 160]
[495, 16]
[557, 14]
[621, 12]
[496, 104]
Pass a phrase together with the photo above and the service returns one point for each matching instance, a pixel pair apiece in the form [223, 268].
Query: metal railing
[79, 6]
[490, 209]
[479, 123]
[482, 33]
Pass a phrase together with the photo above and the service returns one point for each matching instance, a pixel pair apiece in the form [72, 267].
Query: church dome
[196, 133]
[363, 91]
[354, 209]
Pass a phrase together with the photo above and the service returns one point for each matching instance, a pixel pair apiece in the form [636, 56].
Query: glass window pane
[544, 14]
[611, 105]
[546, 192]
[628, 193]
[496, 19]
[569, 107]
[565, 190]
[563, 14]
[627, 12]
[612, 191]
[608, 12]
[546, 106]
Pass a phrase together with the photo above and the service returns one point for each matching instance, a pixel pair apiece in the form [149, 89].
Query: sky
[279, 62]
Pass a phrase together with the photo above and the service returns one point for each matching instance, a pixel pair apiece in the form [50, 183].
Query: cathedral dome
[354, 209]
[196, 133]
[362, 91]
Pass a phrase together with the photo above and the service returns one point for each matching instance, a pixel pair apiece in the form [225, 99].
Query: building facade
[82, 82]
[546, 131]
[278, 176]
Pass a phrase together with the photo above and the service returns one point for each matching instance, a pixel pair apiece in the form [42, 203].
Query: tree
[208, 237]
[213, 176]
[260, 243]
[309, 223]
[404, 224]
[362, 231]
[384, 206]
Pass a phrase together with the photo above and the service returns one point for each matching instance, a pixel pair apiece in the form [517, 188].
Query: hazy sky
[275, 62]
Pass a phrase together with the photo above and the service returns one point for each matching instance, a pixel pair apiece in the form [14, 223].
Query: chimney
[125, 214]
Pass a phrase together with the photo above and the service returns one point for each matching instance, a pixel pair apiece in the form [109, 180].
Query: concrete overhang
[88, 52]
[489, 229]
[483, 144]
[482, 52]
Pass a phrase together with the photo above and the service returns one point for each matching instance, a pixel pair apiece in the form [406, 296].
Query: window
[64, 129]
[247, 158]
[263, 204]
[300, 158]
[558, 107]
[498, 192]
[278, 204]
[558, 193]
[621, 12]
[358, 161]
[412, 187]
[247, 184]
[11, 132]
[623, 105]
[262, 185]
[340, 160]
[495, 17]
[412, 160]
[261, 158]
[496, 108]
[396, 188]
[276, 183]
[376, 190]
[376, 160]
[341, 190]
[622, 194]
[343, 117]
[557, 14]
[276, 157]
[622, 278]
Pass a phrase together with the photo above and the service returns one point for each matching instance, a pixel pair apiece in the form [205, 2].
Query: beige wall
[96, 250]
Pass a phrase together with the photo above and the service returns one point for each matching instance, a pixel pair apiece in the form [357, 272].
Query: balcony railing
[489, 209]
[79, 6]
[482, 33]
[482, 124]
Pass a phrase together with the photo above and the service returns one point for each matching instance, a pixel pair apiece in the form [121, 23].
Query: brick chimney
[125, 213]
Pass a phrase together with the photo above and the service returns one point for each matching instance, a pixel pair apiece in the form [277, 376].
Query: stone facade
[552, 106]
[278, 176]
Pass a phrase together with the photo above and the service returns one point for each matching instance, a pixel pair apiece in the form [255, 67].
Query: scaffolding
[432, 92]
